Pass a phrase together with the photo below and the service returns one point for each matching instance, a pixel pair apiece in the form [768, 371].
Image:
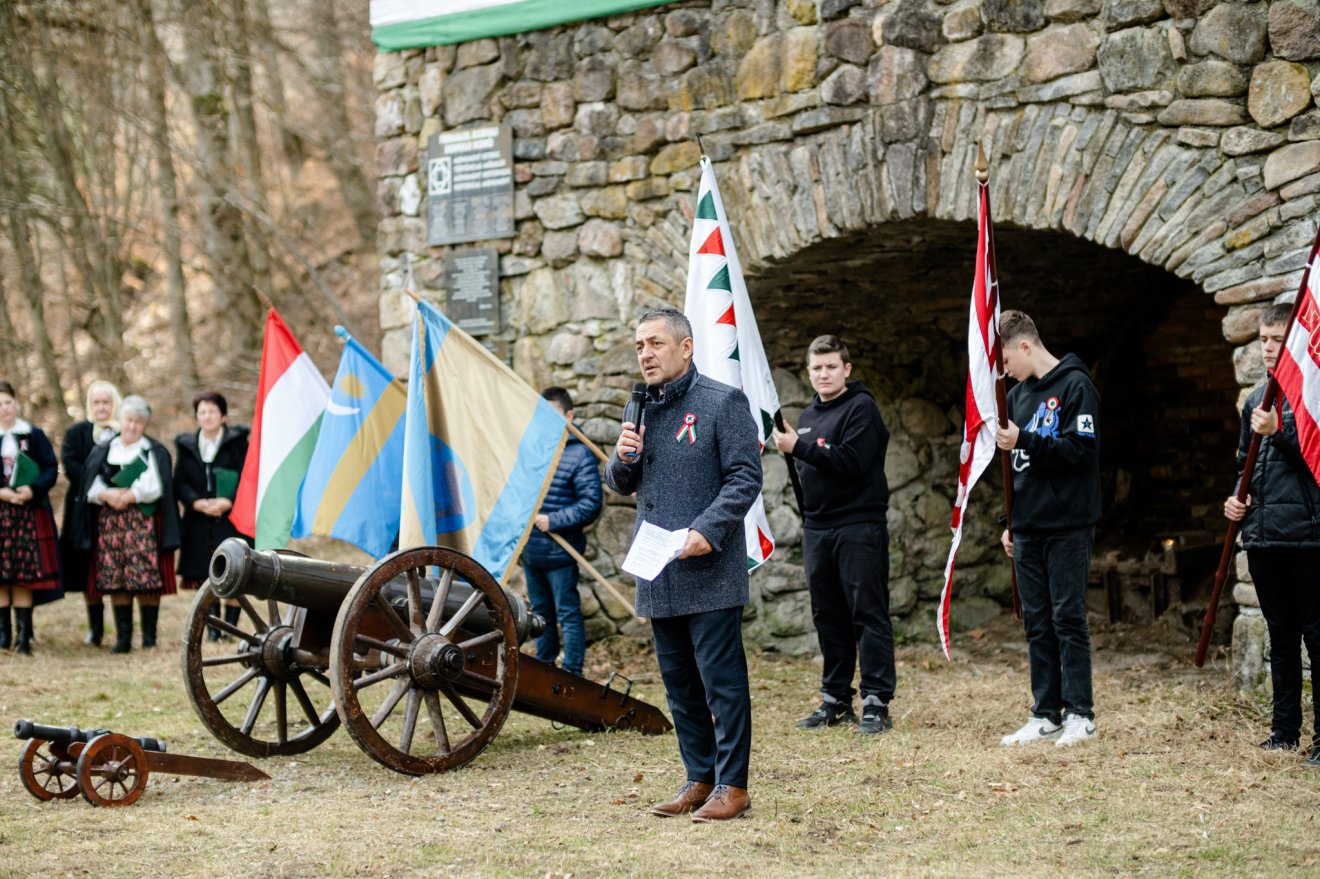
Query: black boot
[123, 628]
[6, 633]
[150, 613]
[95, 624]
[23, 631]
[232, 613]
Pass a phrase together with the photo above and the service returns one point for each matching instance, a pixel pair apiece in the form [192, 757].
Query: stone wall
[1183, 133]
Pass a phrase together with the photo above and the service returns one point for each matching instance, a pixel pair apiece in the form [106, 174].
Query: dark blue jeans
[705, 673]
[554, 596]
[848, 575]
[1288, 586]
[1051, 579]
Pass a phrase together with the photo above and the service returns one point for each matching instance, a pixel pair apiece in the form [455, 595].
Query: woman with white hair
[29, 553]
[132, 523]
[100, 427]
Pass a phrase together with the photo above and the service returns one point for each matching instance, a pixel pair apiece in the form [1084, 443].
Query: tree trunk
[247, 150]
[275, 94]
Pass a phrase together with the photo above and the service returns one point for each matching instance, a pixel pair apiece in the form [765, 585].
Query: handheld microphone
[632, 413]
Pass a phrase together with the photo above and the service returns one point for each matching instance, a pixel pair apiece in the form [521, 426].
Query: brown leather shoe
[690, 796]
[723, 804]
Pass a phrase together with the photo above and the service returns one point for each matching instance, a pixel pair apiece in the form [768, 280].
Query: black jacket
[84, 523]
[193, 480]
[572, 502]
[840, 456]
[1285, 501]
[1056, 464]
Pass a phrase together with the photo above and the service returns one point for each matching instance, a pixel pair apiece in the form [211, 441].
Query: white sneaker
[1075, 729]
[1036, 729]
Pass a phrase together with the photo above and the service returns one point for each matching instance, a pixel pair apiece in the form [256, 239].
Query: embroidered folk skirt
[29, 548]
[128, 557]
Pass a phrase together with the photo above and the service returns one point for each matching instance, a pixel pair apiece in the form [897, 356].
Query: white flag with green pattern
[726, 343]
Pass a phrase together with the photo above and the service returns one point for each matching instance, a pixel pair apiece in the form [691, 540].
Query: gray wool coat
[706, 482]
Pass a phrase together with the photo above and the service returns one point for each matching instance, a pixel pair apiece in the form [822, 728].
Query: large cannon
[416, 655]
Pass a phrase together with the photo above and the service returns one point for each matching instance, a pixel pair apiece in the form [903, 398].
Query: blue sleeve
[586, 491]
[740, 474]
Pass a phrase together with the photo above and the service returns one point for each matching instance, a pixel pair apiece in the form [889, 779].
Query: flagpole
[596, 575]
[1001, 392]
[1270, 401]
[792, 468]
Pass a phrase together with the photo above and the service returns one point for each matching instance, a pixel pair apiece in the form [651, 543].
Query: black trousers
[1052, 571]
[705, 673]
[1288, 586]
[848, 575]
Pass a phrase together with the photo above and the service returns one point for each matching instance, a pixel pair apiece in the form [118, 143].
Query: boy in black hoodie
[1056, 504]
[839, 448]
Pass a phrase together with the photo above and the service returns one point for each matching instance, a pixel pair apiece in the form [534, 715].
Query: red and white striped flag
[978, 445]
[1298, 371]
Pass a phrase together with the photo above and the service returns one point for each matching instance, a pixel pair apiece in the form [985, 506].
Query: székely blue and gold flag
[354, 481]
[480, 448]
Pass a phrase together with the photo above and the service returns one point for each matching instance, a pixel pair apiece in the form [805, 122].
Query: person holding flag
[695, 464]
[839, 451]
[1281, 534]
[1056, 505]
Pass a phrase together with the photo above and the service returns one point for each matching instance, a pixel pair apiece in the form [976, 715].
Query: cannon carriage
[416, 656]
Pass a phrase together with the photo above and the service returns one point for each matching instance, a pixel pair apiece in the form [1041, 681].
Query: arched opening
[898, 295]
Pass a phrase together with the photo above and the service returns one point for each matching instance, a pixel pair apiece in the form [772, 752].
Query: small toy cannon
[107, 768]
[424, 638]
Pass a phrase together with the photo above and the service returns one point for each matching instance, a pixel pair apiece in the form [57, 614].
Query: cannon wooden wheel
[44, 768]
[394, 672]
[257, 692]
[112, 771]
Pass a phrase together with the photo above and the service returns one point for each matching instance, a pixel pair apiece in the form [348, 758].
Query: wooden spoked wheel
[112, 771]
[256, 691]
[424, 671]
[46, 774]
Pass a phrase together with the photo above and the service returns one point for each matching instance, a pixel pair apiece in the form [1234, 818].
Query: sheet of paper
[652, 549]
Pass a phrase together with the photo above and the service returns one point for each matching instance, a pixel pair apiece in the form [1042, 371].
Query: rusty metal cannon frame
[421, 670]
[106, 767]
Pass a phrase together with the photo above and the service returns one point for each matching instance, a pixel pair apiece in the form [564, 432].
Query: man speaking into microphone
[694, 462]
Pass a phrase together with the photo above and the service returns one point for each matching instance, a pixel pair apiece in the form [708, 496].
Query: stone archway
[1180, 133]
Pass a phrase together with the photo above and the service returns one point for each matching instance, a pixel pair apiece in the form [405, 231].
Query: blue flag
[481, 447]
[352, 488]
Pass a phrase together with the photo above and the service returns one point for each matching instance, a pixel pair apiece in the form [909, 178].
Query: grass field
[1174, 786]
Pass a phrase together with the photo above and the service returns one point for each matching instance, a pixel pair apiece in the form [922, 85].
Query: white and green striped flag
[726, 345]
[414, 24]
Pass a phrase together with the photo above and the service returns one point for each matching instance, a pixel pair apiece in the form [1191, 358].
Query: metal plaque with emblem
[469, 185]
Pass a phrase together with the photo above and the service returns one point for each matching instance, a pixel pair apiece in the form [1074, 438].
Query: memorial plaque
[472, 285]
[469, 185]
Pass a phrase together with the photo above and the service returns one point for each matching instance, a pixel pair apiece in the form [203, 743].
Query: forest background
[165, 167]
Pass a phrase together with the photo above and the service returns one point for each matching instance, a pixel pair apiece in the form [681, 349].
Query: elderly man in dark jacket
[1281, 534]
[700, 469]
[571, 503]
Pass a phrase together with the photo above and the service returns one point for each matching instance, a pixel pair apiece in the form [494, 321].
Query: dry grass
[1174, 786]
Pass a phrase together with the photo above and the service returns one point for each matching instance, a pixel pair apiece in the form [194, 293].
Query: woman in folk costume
[206, 470]
[132, 523]
[29, 548]
[100, 427]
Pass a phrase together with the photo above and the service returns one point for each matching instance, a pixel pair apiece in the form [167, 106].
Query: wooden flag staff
[1001, 393]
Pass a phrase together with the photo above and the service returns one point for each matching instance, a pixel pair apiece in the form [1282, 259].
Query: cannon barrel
[238, 569]
[67, 735]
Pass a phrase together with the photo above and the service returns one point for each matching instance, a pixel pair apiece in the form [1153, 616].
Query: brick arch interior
[898, 294]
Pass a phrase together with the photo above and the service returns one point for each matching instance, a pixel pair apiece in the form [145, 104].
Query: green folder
[128, 474]
[26, 471]
[226, 482]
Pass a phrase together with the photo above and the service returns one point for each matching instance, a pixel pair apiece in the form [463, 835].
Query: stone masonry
[1182, 132]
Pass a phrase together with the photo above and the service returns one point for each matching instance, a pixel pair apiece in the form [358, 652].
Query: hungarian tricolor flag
[291, 398]
[725, 342]
[1298, 370]
[983, 358]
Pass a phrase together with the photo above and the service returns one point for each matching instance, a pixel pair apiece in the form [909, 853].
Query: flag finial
[982, 166]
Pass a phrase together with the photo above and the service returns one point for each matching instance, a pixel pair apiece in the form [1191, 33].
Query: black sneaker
[1277, 744]
[828, 714]
[875, 719]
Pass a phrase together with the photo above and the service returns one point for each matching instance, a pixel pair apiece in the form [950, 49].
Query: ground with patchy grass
[1174, 785]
